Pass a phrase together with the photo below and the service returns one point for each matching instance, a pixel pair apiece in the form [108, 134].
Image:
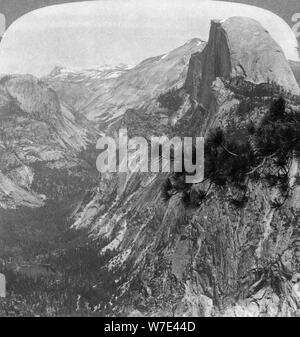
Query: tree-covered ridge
[264, 153]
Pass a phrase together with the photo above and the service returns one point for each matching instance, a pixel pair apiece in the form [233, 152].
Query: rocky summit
[209, 259]
[228, 246]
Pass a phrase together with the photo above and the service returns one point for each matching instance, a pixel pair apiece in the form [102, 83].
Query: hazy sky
[119, 31]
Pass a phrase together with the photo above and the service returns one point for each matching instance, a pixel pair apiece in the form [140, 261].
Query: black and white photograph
[149, 160]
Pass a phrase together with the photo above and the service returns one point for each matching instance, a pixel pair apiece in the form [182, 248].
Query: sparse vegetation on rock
[231, 162]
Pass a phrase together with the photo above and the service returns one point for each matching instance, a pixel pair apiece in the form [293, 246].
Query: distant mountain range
[210, 249]
[197, 261]
[108, 93]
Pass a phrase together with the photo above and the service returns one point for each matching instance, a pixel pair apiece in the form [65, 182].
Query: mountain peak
[242, 47]
[195, 41]
[255, 55]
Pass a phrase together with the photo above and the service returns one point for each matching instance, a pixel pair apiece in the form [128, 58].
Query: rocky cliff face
[45, 173]
[213, 258]
[117, 90]
[243, 48]
[296, 70]
[48, 173]
[234, 252]
[34, 129]
[76, 86]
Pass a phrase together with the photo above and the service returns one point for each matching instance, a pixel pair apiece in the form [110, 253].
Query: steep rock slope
[118, 90]
[45, 172]
[34, 129]
[75, 86]
[296, 69]
[243, 48]
[213, 258]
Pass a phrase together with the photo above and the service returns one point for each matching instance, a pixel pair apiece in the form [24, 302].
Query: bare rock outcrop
[34, 129]
[215, 259]
[241, 47]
